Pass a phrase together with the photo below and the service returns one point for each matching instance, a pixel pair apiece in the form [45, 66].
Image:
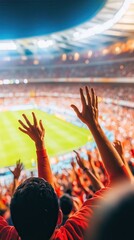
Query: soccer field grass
[60, 137]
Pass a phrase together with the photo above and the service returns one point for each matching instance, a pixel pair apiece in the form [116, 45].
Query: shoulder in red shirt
[74, 228]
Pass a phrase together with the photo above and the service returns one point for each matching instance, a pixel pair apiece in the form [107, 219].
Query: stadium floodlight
[45, 43]
[7, 46]
[17, 81]
[100, 28]
[6, 81]
[25, 81]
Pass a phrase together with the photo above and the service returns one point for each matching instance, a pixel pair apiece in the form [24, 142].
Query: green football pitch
[61, 137]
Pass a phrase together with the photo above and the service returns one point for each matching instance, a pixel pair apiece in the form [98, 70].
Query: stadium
[47, 54]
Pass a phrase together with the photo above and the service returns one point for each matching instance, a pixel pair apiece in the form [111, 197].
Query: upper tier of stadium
[111, 22]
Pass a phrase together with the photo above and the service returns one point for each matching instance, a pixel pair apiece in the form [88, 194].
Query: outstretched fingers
[34, 119]
[93, 96]
[23, 125]
[96, 102]
[76, 110]
[78, 158]
[26, 119]
[21, 166]
[41, 125]
[88, 96]
[22, 130]
[77, 154]
[83, 100]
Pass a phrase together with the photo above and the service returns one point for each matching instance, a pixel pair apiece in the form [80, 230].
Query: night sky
[27, 18]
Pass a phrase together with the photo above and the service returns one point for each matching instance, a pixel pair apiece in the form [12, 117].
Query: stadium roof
[29, 18]
[114, 23]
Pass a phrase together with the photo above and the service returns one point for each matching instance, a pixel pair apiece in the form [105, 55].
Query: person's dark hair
[66, 204]
[34, 209]
[69, 191]
[92, 188]
[2, 212]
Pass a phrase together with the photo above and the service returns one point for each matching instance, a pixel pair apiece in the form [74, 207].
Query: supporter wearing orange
[34, 206]
[74, 228]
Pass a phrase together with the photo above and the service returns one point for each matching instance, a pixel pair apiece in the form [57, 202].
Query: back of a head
[34, 209]
[66, 204]
[69, 191]
[114, 219]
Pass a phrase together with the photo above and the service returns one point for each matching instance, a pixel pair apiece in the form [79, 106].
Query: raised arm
[92, 165]
[36, 132]
[79, 183]
[95, 182]
[119, 148]
[16, 174]
[89, 115]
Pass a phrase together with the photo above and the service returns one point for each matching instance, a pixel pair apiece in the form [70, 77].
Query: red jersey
[74, 227]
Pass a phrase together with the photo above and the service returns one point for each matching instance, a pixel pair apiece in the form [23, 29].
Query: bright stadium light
[99, 28]
[17, 81]
[64, 57]
[7, 46]
[25, 81]
[45, 43]
[6, 81]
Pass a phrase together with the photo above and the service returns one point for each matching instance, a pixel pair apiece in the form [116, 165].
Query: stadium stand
[74, 85]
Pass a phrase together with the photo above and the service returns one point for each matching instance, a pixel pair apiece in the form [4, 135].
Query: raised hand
[118, 146]
[95, 182]
[79, 160]
[17, 171]
[89, 156]
[89, 113]
[90, 160]
[35, 131]
[73, 164]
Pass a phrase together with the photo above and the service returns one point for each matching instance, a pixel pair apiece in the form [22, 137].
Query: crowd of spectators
[119, 91]
[78, 70]
[48, 97]
[36, 203]
[93, 197]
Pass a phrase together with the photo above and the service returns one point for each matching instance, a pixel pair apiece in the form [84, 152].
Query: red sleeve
[44, 168]
[41, 156]
[7, 232]
[76, 226]
[132, 152]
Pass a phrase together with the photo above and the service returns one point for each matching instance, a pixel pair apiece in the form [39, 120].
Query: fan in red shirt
[74, 228]
[34, 206]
